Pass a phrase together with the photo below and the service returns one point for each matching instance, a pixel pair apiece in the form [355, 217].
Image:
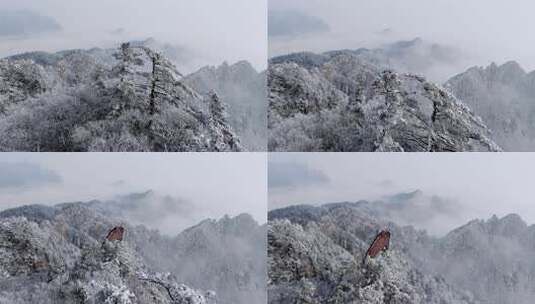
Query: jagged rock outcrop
[244, 90]
[492, 258]
[131, 99]
[60, 253]
[339, 101]
[504, 97]
[238, 245]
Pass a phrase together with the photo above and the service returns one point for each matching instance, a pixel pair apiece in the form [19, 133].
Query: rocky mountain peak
[502, 95]
[509, 72]
[510, 225]
[241, 87]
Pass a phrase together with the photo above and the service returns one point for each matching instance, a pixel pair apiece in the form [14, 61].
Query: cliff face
[504, 96]
[130, 99]
[60, 254]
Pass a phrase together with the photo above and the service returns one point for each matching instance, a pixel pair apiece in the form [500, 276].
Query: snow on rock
[60, 253]
[316, 253]
[244, 90]
[66, 259]
[315, 256]
[340, 101]
[129, 99]
[179, 293]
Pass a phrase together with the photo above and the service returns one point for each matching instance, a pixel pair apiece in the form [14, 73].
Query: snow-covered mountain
[492, 258]
[504, 97]
[129, 99]
[348, 101]
[244, 90]
[60, 254]
[315, 256]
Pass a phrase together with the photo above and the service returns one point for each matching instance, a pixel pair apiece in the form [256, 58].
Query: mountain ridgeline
[128, 99]
[60, 254]
[316, 256]
[244, 90]
[504, 97]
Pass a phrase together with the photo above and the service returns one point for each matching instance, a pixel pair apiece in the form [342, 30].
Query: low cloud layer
[433, 213]
[287, 175]
[290, 23]
[484, 31]
[20, 23]
[186, 188]
[26, 175]
[215, 30]
[168, 214]
[454, 188]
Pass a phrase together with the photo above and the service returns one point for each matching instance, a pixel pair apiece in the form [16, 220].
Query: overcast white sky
[484, 183]
[220, 183]
[488, 30]
[219, 30]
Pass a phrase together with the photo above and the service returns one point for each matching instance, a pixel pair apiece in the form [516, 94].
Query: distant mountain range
[504, 97]
[315, 256]
[59, 253]
[244, 90]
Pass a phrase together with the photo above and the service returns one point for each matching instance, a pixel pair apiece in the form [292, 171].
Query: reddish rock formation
[116, 234]
[380, 243]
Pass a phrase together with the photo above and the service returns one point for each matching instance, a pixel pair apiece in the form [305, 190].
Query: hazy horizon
[198, 185]
[475, 29]
[210, 31]
[472, 185]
